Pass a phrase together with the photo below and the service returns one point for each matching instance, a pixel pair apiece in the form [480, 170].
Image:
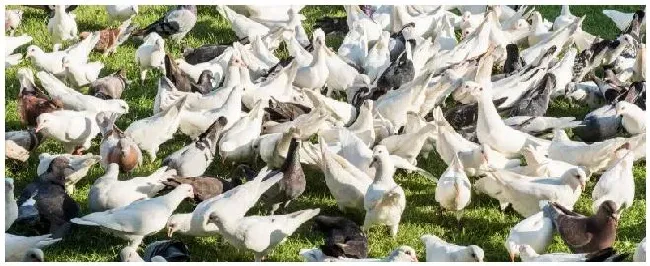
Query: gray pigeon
[599, 125]
[535, 101]
[109, 87]
[292, 184]
[175, 24]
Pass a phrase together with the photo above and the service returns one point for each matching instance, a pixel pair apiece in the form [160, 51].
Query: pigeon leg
[393, 230]
[259, 257]
[143, 75]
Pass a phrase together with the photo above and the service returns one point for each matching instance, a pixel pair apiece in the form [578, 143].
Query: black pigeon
[282, 112]
[535, 102]
[599, 124]
[464, 115]
[398, 73]
[607, 254]
[204, 85]
[586, 234]
[181, 81]
[204, 53]
[175, 24]
[292, 184]
[513, 61]
[343, 237]
[170, 250]
[55, 207]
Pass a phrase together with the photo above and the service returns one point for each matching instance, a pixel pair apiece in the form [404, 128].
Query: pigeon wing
[573, 231]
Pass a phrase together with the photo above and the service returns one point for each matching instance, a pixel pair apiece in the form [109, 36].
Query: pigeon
[599, 125]
[111, 38]
[378, 58]
[584, 234]
[150, 54]
[11, 208]
[314, 75]
[139, 219]
[53, 62]
[32, 101]
[536, 231]
[12, 20]
[107, 192]
[565, 18]
[204, 187]
[525, 194]
[152, 131]
[115, 146]
[539, 165]
[195, 123]
[55, 207]
[62, 26]
[169, 250]
[174, 24]
[193, 159]
[27, 248]
[633, 117]
[292, 184]
[384, 201]
[617, 183]
[204, 53]
[343, 237]
[261, 233]
[540, 125]
[74, 129]
[640, 252]
[528, 254]
[513, 62]
[109, 87]
[130, 254]
[121, 12]
[401, 254]
[74, 100]
[535, 102]
[621, 19]
[18, 144]
[242, 26]
[79, 164]
[81, 74]
[439, 250]
[453, 189]
[593, 157]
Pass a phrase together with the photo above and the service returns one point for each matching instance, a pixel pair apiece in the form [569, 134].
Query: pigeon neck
[385, 170]
[174, 198]
[293, 156]
[487, 112]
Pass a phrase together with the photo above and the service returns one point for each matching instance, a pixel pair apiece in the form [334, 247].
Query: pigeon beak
[373, 164]
[38, 128]
[414, 259]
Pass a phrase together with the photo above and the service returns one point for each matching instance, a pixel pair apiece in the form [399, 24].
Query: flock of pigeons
[401, 85]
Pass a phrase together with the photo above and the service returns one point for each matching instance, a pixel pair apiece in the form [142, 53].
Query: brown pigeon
[586, 234]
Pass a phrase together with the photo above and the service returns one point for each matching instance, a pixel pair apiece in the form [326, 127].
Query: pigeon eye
[480, 89]
[407, 252]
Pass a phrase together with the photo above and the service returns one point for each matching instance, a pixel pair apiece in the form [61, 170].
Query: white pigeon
[300, 55]
[384, 200]
[363, 126]
[11, 44]
[621, 19]
[12, 20]
[593, 157]
[378, 58]
[528, 254]
[314, 75]
[81, 74]
[108, 192]
[26, 248]
[261, 234]
[62, 26]
[243, 26]
[195, 123]
[535, 231]
[565, 18]
[453, 189]
[633, 117]
[356, 16]
[79, 164]
[640, 252]
[539, 165]
[346, 182]
[194, 223]
[53, 62]
[354, 47]
[235, 144]
[121, 12]
[193, 159]
[138, 219]
[150, 54]
[152, 131]
[400, 254]
[73, 129]
[11, 208]
[617, 183]
[525, 193]
[438, 250]
[74, 100]
[342, 75]
[490, 128]
[194, 71]
[408, 146]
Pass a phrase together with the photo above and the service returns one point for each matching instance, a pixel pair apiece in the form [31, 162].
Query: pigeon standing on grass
[175, 24]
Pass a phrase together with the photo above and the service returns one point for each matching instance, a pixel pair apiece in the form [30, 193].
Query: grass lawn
[483, 223]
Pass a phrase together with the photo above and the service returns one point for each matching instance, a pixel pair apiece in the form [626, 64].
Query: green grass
[483, 225]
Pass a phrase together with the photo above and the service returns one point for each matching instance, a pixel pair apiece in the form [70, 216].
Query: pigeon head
[44, 121]
[128, 254]
[59, 167]
[521, 24]
[475, 253]
[33, 50]
[623, 108]
[575, 177]
[526, 251]
[186, 190]
[34, 255]
[176, 222]
[609, 210]
[473, 88]
[404, 254]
